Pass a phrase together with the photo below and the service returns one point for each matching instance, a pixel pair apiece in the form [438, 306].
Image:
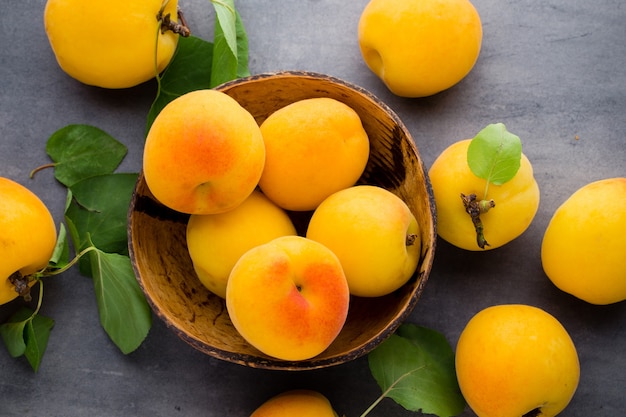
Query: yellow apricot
[110, 44]
[299, 402]
[204, 153]
[217, 241]
[516, 201]
[583, 251]
[314, 147]
[28, 235]
[372, 232]
[420, 47]
[516, 360]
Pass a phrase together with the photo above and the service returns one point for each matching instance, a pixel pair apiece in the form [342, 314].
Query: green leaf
[495, 154]
[61, 254]
[27, 333]
[243, 69]
[230, 51]
[189, 70]
[12, 332]
[82, 151]
[415, 367]
[37, 335]
[98, 211]
[124, 312]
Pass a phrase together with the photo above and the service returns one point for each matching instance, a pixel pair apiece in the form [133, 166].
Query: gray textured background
[553, 71]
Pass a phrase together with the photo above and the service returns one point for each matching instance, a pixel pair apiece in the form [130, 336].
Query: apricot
[204, 153]
[584, 246]
[373, 233]
[314, 147]
[298, 402]
[516, 360]
[420, 47]
[516, 201]
[110, 44]
[288, 298]
[27, 240]
[217, 241]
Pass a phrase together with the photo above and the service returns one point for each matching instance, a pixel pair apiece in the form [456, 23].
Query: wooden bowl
[158, 249]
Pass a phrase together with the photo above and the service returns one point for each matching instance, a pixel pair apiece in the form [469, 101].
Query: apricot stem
[475, 208]
[20, 282]
[168, 24]
[410, 239]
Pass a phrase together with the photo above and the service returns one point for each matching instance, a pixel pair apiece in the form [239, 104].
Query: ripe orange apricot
[288, 298]
[110, 43]
[217, 241]
[314, 147]
[516, 360]
[204, 153]
[28, 236]
[298, 402]
[420, 47]
[583, 251]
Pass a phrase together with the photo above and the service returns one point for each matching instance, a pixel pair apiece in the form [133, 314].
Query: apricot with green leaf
[485, 191]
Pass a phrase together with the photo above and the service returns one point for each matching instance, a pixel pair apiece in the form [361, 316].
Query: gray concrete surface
[553, 71]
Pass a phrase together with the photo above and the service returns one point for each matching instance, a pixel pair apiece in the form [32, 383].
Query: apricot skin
[516, 201]
[367, 227]
[512, 359]
[420, 47]
[297, 402]
[204, 153]
[584, 245]
[28, 235]
[314, 148]
[217, 241]
[110, 44]
[288, 298]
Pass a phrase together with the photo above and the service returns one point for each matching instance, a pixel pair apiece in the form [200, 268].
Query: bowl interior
[158, 249]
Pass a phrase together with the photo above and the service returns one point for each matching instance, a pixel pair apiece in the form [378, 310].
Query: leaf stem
[50, 272]
[41, 168]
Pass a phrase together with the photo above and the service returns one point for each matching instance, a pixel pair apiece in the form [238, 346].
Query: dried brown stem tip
[20, 282]
[475, 208]
[168, 24]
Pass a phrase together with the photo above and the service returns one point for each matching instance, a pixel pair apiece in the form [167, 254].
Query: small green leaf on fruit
[124, 312]
[83, 151]
[495, 154]
[415, 367]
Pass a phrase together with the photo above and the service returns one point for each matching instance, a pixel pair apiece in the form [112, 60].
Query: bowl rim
[266, 362]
